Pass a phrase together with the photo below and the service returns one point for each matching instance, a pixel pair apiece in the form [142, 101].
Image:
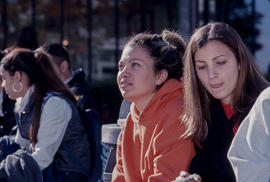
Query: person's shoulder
[174, 101]
[79, 84]
[55, 98]
[78, 76]
[58, 101]
[170, 111]
[57, 106]
[264, 95]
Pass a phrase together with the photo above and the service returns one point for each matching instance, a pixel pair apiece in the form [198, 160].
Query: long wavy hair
[197, 99]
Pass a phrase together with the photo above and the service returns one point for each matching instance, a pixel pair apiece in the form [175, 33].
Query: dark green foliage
[240, 15]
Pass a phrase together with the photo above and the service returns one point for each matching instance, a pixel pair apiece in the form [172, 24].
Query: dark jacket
[75, 136]
[92, 121]
[79, 86]
[7, 122]
[20, 167]
[210, 161]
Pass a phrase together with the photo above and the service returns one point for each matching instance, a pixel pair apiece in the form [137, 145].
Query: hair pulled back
[167, 50]
[40, 72]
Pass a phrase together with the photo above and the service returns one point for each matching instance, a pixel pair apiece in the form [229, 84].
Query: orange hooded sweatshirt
[150, 146]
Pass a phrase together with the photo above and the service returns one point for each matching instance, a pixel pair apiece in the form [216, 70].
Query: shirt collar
[21, 102]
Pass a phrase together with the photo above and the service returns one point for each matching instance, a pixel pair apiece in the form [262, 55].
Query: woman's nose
[124, 72]
[3, 84]
[212, 73]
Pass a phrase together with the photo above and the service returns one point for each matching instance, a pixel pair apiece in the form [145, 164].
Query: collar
[72, 73]
[21, 102]
[169, 89]
[1, 102]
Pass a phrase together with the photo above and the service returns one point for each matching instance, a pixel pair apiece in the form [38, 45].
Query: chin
[125, 93]
[221, 98]
[12, 98]
[127, 96]
[216, 96]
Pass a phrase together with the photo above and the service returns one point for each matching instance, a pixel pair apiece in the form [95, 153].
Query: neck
[141, 103]
[67, 76]
[23, 92]
[226, 101]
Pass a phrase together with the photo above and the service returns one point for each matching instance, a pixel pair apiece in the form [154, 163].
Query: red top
[150, 146]
[229, 112]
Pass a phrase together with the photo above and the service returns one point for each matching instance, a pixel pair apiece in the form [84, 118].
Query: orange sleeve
[169, 163]
[172, 153]
[118, 172]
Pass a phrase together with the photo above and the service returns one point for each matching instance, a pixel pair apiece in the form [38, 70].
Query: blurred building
[95, 30]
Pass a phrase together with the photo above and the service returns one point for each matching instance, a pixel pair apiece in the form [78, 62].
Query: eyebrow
[133, 59]
[219, 56]
[212, 59]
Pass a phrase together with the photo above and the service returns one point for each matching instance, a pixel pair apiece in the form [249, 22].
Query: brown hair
[40, 72]
[167, 49]
[197, 100]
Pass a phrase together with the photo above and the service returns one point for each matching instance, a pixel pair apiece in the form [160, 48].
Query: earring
[17, 90]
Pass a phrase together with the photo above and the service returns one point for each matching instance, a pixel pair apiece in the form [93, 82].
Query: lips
[124, 84]
[216, 86]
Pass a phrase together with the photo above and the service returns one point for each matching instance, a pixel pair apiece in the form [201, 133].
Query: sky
[263, 55]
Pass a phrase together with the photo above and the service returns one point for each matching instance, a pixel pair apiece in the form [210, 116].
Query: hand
[186, 177]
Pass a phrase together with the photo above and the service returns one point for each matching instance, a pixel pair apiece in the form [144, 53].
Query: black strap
[75, 159]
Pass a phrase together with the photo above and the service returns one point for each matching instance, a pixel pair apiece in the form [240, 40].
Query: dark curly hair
[167, 50]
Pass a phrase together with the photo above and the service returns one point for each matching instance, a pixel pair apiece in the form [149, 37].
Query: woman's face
[7, 81]
[136, 78]
[217, 69]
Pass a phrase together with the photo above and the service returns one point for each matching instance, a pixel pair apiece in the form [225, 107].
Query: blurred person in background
[75, 80]
[7, 116]
[28, 38]
[77, 83]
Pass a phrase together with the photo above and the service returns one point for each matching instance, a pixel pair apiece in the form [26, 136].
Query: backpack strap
[75, 159]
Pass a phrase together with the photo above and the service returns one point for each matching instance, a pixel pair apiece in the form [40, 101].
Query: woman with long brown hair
[48, 120]
[222, 82]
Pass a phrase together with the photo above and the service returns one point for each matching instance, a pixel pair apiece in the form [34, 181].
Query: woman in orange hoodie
[150, 145]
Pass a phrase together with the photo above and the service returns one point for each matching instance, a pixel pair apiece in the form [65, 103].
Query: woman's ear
[64, 66]
[17, 76]
[161, 77]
